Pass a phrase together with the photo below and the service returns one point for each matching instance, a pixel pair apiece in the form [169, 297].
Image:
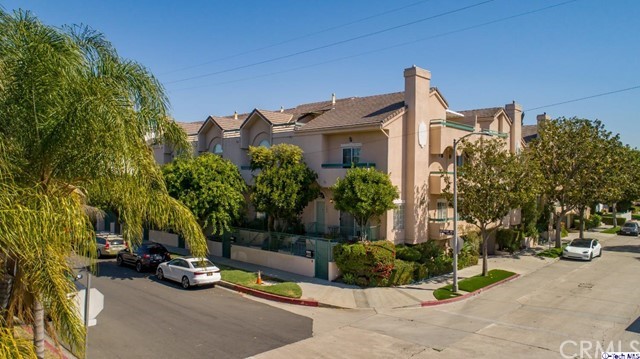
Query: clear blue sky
[571, 51]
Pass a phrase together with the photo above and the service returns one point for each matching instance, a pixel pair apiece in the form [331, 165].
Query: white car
[581, 248]
[189, 271]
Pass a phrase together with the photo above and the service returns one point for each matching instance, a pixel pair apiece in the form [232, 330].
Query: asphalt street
[566, 309]
[147, 318]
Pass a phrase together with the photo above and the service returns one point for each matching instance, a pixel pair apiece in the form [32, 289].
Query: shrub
[608, 220]
[368, 262]
[420, 271]
[402, 273]
[635, 216]
[508, 239]
[349, 278]
[593, 221]
[407, 253]
[564, 233]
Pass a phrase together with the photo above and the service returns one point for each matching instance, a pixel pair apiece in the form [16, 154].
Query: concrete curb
[270, 296]
[431, 303]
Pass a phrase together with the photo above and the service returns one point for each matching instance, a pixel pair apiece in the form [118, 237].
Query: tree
[284, 185]
[491, 182]
[74, 121]
[569, 153]
[210, 186]
[366, 194]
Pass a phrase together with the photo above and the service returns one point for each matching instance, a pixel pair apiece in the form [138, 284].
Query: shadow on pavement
[634, 327]
[176, 285]
[110, 269]
[622, 248]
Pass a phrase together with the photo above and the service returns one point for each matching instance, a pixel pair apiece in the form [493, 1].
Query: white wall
[161, 237]
[286, 262]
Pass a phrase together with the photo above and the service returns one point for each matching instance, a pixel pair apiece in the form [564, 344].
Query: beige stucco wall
[161, 237]
[294, 264]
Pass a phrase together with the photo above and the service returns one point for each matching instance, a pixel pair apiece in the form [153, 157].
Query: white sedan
[582, 249]
[189, 271]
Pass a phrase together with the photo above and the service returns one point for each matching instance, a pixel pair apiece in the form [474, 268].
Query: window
[350, 155]
[217, 149]
[459, 160]
[442, 210]
[265, 143]
[398, 216]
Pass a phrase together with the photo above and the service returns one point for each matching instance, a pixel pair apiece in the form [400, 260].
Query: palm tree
[76, 121]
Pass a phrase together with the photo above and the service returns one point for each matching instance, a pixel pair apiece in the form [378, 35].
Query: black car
[630, 229]
[147, 255]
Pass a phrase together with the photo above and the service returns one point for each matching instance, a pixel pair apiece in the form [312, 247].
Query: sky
[217, 57]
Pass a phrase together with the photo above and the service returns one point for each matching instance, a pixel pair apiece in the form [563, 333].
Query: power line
[585, 98]
[298, 38]
[332, 44]
[385, 48]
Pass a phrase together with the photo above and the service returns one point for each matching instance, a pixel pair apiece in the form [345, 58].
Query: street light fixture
[455, 197]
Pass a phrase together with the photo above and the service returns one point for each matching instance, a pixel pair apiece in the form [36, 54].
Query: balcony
[332, 171]
[437, 182]
[442, 133]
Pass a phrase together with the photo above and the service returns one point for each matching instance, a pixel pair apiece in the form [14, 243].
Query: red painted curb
[431, 303]
[47, 344]
[270, 296]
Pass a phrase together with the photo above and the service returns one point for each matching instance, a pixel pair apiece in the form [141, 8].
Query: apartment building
[407, 134]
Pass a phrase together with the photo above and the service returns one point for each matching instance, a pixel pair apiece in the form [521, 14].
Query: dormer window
[217, 149]
[265, 143]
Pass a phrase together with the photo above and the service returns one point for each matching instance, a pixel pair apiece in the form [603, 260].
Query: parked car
[147, 255]
[109, 245]
[630, 229]
[582, 248]
[189, 271]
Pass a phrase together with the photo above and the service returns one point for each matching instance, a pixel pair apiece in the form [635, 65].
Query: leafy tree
[366, 194]
[571, 155]
[210, 186]
[491, 182]
[284, 185]
[74, 117]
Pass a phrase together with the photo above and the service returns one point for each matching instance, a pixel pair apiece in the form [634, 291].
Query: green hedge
[407, 253]
[636, 217]
[608, 220]
[593, 221]
[508, 239]
[402, 273]
[366, 263]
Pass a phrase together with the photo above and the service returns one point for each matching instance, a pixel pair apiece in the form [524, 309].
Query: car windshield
[630, 225]
[202, 264]
[582, 243]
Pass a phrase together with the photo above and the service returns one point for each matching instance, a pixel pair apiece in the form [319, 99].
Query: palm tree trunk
[38, 328]
[485, 249]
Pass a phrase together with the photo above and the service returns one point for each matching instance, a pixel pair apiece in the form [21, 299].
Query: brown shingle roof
[228, 123]
[353, 111]
[191, 128]
[482, 112]
[529, 132]
[276, 118]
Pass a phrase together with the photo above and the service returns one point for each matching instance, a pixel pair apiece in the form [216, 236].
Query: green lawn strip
[613, 230]
[248, 279]
[472, 284]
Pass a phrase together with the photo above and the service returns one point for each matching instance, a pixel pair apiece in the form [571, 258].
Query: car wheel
[160, 274]
[119, 261]
[99, 254]
[185, 282]
[139, 267]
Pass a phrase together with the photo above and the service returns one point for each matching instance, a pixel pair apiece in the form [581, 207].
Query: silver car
[109, 245]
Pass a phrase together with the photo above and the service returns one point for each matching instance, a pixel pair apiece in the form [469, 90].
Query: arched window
[265, 143]
[217, 149]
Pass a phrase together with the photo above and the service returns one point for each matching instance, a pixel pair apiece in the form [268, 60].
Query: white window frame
[351, 147]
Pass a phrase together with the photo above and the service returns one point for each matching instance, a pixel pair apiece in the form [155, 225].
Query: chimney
[235, 115]
[415, 150]
[542, 118]
[333, 100]
[281, 109]
[514, 110]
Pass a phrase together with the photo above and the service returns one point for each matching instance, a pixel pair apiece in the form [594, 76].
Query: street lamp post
[455, 199]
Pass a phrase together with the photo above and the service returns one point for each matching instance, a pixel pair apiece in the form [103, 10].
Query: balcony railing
[348, 165]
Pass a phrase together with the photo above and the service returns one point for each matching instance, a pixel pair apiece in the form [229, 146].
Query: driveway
[146, 318]
[566, 309]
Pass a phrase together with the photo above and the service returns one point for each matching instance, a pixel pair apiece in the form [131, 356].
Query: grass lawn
[472, 284]
[248, 279]
[613, 230]
[551, 253]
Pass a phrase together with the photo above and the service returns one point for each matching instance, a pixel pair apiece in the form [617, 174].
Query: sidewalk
[332, 294]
